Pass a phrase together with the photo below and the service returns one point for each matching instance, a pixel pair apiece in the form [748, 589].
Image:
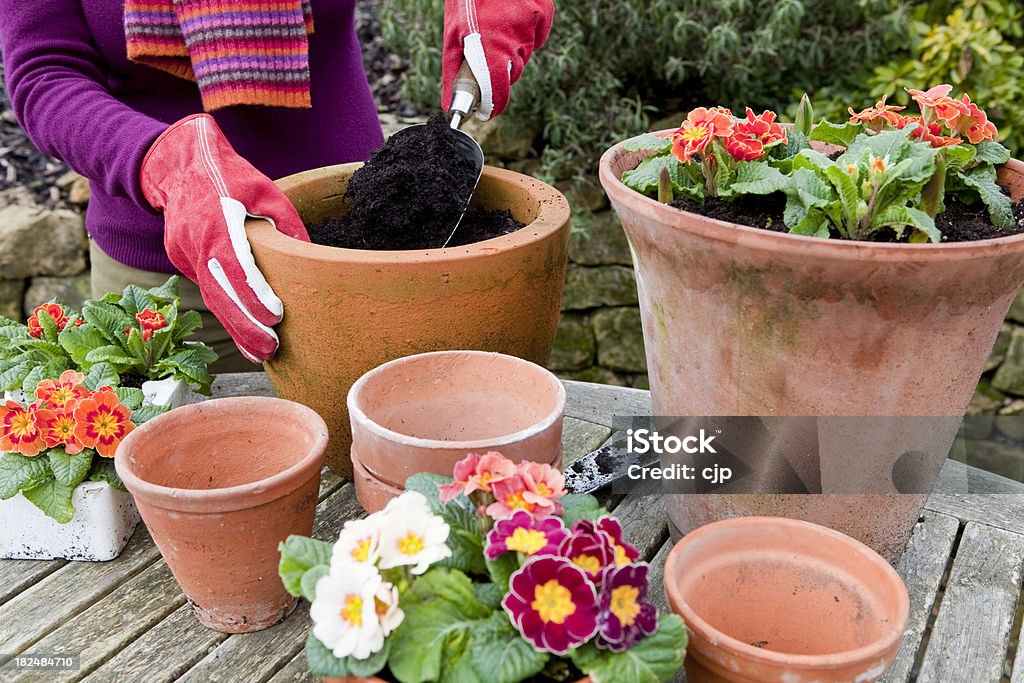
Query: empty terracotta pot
[349, 310]
[424, 413]
[219, 484]
[767, 599]
[745, 321]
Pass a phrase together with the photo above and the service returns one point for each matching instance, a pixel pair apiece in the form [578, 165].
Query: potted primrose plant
[496, 574]
[861, 268]
[76, 383]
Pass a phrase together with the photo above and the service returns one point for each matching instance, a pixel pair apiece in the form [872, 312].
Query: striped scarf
[237, 51]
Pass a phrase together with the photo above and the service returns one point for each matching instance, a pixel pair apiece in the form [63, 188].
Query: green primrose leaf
[188, 322]
[19, 472]
[982, 181]
[109, 320]
[580, 506]
[441, 614]
[307, 587]
[654, 659]
[648, 142]
[147, 411]
[13, 375]
[500, 654]
[758, 178]
[842, 134]
[53, 498]
[992, 152]
[168, 290]
[103, 470]
[958, 157]
[814, 224]
[322, 661]
[135, 300]
[130, 397]
[69, 470]
[644, 178]
[900, 217]
[101, 375]
[79, 341]
[300, 554]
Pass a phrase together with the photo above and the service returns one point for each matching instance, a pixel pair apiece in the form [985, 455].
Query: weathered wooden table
[128, 621]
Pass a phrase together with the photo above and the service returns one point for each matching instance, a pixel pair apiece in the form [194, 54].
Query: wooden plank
[1017, 675]
[109, 625]
[295, 671]
[580, 438]
[971, 634]
[1004, 511]
[34, 613]
[163, 653]
[922, 567]
[598, 403]
[956, 477]
[258, 656]
[643, 523]
[242, 384]
[17, 575]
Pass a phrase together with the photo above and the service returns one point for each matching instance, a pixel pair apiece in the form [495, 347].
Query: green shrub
[610, 67]
[975, 45]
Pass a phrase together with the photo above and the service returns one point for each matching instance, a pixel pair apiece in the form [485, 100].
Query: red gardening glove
[206, 192]
[496, 37]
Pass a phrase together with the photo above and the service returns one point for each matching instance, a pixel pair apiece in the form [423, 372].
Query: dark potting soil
[410, 194]
[958, 223]
[133, 380]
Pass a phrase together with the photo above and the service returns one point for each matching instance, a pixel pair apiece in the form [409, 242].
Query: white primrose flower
[411, 534]
[344, 611]
[388, 612]
[358, 542]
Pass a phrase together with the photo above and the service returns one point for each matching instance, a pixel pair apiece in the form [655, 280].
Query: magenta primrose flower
[625, 617]
[589, 548]
[552, 603]
[624, 552]
[521, 533]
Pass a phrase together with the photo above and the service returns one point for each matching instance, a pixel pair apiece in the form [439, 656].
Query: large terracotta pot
[744, 321]
[768, 599]
[424, 413]
[219, 485]
[347, 311]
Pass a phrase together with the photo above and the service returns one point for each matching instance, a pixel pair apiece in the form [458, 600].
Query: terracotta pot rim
[812, 247]
[552, 214]
[439, 444]
[831, 660]
[229, 498]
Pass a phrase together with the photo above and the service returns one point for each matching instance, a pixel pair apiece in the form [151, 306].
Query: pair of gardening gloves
[206, 190]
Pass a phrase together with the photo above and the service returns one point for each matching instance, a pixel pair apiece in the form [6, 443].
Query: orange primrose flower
[35, 329]
[58, 428]
[150, 319]
[19, 431]
[102, 422]
[66, 388]
[948, 110]
[763, 127]
[931, 133]
[878, 116]
[700, 127]
[930, 97]
[974, 123]
[744, 147]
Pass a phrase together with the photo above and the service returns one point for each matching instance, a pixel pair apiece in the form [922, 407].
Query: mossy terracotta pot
[348, 311]
[767, 599]
[745, 321]
[219, 484]
[426, 412]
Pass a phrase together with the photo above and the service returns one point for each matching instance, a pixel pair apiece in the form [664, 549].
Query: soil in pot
[409, 195]
[958, 223]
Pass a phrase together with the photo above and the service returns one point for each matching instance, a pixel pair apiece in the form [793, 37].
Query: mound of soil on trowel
[410, 194]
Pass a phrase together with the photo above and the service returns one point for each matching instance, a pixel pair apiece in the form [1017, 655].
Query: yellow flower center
[65, 427]
[587, 563]
[553, 602]
[543, 489]
[105, 424]
[61, 396]
[352, 612]
[361, 553]
[411, 544]
[621, 557]
[526, 541]
[22, 425]
[624, 604]
[516, 501]
[695, 134]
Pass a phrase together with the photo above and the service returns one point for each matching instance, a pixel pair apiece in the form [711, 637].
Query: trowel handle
[465, 95]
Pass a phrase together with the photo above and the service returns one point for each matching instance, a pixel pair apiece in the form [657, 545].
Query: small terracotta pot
[219, 484]
[771, 599]
[745, 321]
[349, 310]
[424, 413]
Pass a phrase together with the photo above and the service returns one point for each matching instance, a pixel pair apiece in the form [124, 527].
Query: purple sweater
[80, 99]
